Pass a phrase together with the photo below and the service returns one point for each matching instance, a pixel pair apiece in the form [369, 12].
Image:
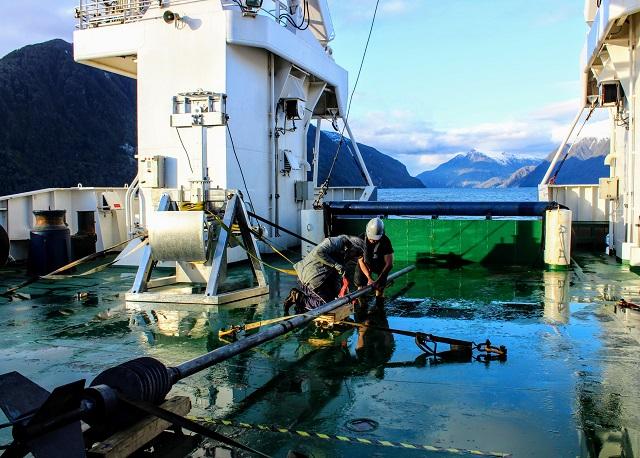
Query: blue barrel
[49, 242]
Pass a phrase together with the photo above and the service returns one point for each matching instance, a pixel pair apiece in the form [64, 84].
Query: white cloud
[394, 6]
[34, 21]
[598, 129]
[598, 126]
[422, 146]
[565, 109]
[344, 13]
[417, 163]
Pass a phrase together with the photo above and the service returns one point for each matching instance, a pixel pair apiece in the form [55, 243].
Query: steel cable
[325, 185]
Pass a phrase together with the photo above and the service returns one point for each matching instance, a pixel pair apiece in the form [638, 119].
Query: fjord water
[568, 387]
[459, 194]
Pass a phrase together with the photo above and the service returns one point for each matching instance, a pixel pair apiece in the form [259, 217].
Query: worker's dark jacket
[374, 258]
[317, 272]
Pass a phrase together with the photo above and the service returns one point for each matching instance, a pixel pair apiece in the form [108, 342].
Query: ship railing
[582, 199]
[273, 9]
[94, 13]
[339, 193]
[16, 213]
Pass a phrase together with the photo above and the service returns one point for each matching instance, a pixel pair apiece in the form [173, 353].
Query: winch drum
[178, 236]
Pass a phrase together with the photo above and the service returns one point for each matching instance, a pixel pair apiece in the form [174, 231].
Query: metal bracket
[235, 212]
[201, 108]
[143, 275]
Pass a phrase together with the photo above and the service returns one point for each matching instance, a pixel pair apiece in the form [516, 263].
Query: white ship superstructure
[226, 91]
[610, 71]
[268, 78]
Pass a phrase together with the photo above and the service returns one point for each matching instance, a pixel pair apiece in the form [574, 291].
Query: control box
[608, 188]
[151, 172]
[303, 190]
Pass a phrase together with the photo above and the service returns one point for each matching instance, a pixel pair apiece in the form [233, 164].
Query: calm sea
[459, 194]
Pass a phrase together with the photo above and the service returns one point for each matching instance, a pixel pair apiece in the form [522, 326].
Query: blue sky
[441, 77]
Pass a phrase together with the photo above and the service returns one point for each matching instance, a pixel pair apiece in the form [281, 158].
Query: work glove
[340, 269]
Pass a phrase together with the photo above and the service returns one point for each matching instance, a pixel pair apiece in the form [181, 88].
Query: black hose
[362, 208]
[283, 229]
[218, 355]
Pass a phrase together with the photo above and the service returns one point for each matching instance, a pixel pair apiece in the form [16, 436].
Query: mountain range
[583, 165]
[65, 123]
[474, 170]
[385, 171]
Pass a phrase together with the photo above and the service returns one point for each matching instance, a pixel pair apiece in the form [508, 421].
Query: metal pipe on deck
[228, 351]
[441, 208]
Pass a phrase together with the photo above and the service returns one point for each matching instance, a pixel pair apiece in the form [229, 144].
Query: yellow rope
[189, 206]
[264, 240]
[232, 235]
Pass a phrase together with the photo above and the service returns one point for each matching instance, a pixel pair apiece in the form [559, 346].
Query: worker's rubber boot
[379, 302]
[292, 300]
[360, 309]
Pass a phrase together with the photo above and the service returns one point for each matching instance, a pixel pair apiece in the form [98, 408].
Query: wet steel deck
[568, 388]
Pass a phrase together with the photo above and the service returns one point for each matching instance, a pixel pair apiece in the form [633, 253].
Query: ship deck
[568, 387]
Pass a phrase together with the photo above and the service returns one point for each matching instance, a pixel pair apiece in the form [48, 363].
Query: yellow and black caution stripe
[355, 440]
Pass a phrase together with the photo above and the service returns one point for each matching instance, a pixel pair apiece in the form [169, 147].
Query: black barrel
[49, 243]
[83, 242]
[4, 246]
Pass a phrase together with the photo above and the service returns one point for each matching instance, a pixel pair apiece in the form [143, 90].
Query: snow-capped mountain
[475, 169]
[584, 165]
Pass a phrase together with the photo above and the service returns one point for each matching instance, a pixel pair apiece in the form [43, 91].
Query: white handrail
[92, 13]
[128, 204]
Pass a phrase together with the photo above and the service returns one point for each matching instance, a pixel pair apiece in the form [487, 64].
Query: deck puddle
[568, 387]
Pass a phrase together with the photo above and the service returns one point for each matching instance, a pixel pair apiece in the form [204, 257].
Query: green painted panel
[473, 240]
[460, 241]
[501, 239]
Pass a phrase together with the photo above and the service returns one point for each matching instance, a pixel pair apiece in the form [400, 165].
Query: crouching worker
[377, 259]
[320, 272]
